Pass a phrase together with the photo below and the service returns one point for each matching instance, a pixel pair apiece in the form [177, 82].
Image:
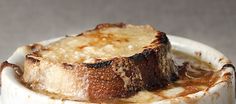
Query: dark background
[212, 22]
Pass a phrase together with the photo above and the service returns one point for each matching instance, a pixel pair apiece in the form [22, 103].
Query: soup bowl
[222, 91]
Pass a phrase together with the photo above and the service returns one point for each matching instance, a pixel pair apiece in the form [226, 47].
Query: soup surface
[195, 76]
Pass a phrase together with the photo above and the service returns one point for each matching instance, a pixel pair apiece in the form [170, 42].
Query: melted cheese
[104, 43]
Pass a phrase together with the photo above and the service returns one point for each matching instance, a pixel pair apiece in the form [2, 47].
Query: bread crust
[118, 77]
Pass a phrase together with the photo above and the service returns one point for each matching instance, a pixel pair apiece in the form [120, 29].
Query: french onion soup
[114, 63]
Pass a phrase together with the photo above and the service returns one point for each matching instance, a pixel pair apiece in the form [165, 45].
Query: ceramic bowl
[223, 91]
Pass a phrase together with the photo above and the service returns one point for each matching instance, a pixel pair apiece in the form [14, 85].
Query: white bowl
[13, 92]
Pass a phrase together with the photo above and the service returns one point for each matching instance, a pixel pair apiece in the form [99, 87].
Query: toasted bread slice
[108, 62]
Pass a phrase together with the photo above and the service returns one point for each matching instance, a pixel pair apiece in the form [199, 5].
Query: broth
[194, 76]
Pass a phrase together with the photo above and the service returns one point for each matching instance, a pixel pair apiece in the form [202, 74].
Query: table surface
[212, 22]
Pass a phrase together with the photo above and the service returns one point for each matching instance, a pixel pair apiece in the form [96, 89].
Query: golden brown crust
[118, 77]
